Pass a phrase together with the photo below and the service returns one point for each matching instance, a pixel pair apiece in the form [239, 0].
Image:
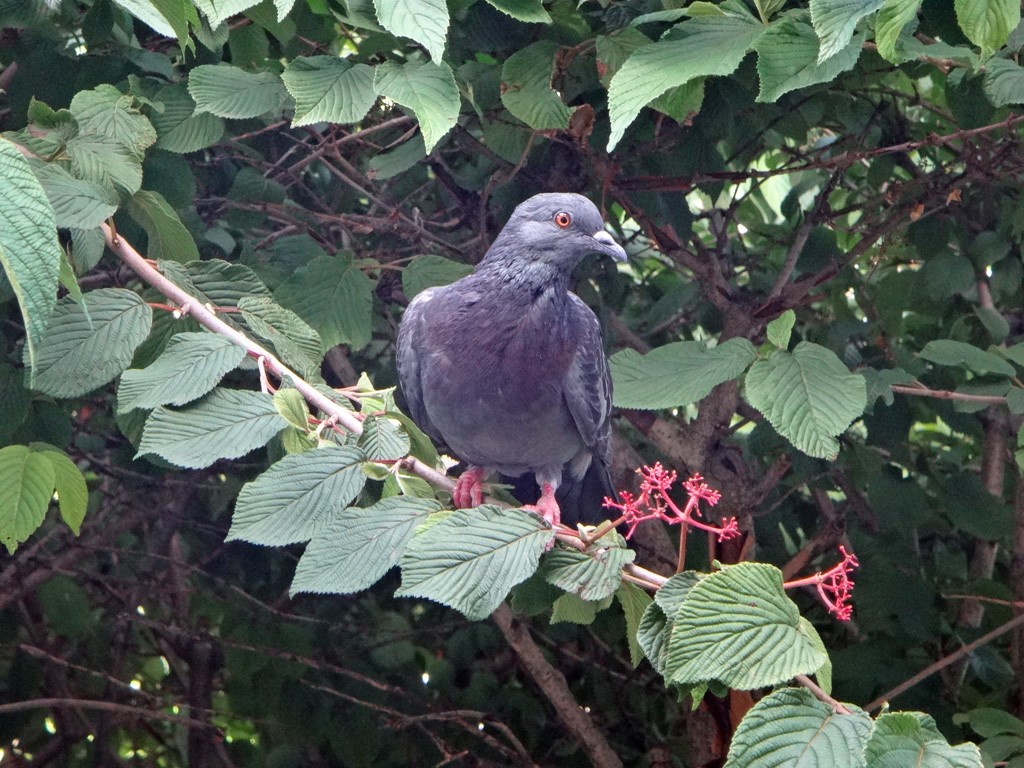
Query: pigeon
[507, 367]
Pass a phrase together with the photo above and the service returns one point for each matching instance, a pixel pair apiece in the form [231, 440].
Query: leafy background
[845, 171]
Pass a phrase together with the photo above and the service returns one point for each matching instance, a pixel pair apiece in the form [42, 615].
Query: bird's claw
[547, 506]
[469, 489]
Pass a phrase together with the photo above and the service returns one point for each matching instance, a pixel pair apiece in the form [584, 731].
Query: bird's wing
[409, 358]
[588, 383]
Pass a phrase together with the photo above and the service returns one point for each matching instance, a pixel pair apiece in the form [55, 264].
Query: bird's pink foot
[469, 489]
[547, 506]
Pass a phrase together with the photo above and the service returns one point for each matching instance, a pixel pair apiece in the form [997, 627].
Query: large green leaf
[105, 161]
[655, 626]
[190, 366]
[147, 13]
[592, 575]
[383, 439]
[296, 343]
[1004, 82]
[298, 496]
[787, 57]
[29, 251]
[88, 344]
[28, 480]
[987, 23]
[912, 738]
[69, 484]
[77, 203]
[428, 89]
[634, 602]
[356, 547]
[108, 112]
[425, 21]
[225, 424]
[738, 626]
[835, 21]
[958, 353]
[676, 374]
[428, 271]
[177, 126]
[790, 727]
[169, 239]
[334, 297]
[228, 91]
[893, 16]
[329, 89]
[218, 11]
[808, 395]
[702, 46]
[526, 87]
[472, 558]
[523, 10]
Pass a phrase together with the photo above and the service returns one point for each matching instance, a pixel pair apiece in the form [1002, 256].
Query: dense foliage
[204, 471]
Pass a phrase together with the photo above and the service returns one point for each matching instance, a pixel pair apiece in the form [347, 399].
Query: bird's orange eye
[563, 219]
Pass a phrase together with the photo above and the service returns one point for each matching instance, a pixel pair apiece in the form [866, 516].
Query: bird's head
[556, 228]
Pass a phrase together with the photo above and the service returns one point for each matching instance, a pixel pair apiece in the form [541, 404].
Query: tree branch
[552, 684]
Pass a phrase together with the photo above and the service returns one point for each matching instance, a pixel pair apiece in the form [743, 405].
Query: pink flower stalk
[834, 585]
[654, 502]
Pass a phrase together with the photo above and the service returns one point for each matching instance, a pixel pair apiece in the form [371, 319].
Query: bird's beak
[607, 245]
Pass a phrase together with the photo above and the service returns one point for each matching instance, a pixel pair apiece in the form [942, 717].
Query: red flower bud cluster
[654, 502]
[834, 585]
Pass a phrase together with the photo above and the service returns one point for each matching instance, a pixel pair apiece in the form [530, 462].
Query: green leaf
[958, 353]
[225, 424]
[178, 128]
[780, 329]
[190, 366]
[66, 607]
[77, 204]
[181, 14]
[428, 89]
[108, 112]
[72, 492]
[28, 480]
[147, 13]
[219, 11]
[228, 91]
[573, 610]
[105, 161]
[328, 89]
[87, 345]
[739, 627]
[676, 374]
[824, 672]
[526, 87]
[912, 738]
[988, 722]
[698, 47]
[293, 408]
[298, 496]
[387, 165]
[1004, 82]
[429, 271]
[169, 240]
[472, 558]
[383, 439]
[334, 297]
[634, 602]
[29, 251]
[590, 576]
[425, 21]
[787, 58]
[987, 23]
[652, 636]
[356, 547]
[893, 16]
[529, 11]
[808, 395]
[835, 21]
[790, 727]
[296, 343]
